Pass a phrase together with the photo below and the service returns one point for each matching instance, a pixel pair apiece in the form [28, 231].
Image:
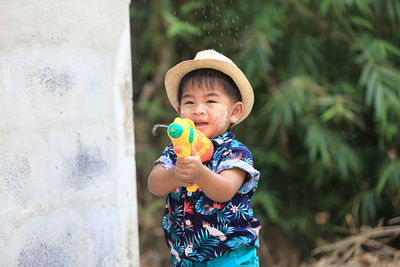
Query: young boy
[213, 226]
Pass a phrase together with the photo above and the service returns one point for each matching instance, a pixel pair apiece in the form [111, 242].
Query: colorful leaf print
[238, 242]
[204, 244]
[204, 206]
[239, 211]
[176, 194]
[188, 207]
[186, 263]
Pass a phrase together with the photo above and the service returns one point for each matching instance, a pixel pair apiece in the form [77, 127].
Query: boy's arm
[223, 186]
[163, 181]
[218, 187]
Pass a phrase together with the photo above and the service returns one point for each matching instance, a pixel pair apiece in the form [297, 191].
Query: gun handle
[192, 188]
[181, 152]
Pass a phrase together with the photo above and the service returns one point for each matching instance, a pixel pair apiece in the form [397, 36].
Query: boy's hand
[189, 169]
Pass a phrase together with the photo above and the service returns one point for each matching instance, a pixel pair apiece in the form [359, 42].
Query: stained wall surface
[67, 169]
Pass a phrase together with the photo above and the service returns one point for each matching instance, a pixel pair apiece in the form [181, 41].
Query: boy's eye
[188, 103]
[211, 101]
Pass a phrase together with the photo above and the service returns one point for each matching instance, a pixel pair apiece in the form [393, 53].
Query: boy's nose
[198, 109]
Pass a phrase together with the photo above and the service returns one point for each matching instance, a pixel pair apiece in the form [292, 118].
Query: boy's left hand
[190, 168]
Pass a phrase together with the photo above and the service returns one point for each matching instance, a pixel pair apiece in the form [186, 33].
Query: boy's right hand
[189, 168]
[185, 184]
[182, 180]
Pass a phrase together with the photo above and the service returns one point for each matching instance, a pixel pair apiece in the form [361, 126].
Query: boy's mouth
[200, 124]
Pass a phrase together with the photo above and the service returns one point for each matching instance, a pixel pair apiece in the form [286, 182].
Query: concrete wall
[67, 170]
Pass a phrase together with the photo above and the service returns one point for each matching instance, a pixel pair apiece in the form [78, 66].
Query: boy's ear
[236, 111]
[178, 108]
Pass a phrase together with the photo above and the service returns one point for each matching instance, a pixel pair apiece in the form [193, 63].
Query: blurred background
[324, 130]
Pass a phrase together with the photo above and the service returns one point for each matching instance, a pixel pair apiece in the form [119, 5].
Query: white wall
[67, 170]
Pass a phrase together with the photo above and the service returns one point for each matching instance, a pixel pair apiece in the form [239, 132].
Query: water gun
[183, 133]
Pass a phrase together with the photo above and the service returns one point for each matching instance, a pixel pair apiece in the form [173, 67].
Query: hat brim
[175, 75]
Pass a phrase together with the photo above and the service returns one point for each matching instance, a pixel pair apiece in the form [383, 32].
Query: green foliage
[389, 177]
[325, 126]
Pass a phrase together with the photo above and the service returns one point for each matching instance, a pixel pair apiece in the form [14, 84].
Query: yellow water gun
[183, 133]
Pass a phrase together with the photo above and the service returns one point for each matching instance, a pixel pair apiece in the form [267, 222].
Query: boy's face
[210, 108]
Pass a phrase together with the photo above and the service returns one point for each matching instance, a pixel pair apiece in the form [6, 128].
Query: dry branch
[365, 247]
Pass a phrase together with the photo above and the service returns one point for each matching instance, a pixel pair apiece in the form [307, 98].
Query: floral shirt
[197, 228]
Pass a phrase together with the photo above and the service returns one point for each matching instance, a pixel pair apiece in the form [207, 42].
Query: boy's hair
[208, 77]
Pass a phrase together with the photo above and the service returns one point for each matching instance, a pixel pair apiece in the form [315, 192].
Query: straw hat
[212, 60]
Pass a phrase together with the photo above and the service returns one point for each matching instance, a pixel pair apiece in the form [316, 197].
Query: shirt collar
[223, 138]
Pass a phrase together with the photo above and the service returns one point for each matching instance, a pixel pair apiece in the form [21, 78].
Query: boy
[213, 226]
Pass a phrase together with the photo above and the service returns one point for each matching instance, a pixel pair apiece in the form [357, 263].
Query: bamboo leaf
[329, 114]
[390, 171]
[324, 6]
[267, 202]
[177, 27]
[371, 89]
[356, 20]
[190, 6]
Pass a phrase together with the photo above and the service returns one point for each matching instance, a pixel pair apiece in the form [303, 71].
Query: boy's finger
[194, 151]
[183, 161]
[186, 160]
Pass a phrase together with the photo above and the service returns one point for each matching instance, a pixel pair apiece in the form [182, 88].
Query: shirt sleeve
[238, 156]
[167, 158]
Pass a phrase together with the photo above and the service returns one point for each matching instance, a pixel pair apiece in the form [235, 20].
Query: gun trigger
[178, 149]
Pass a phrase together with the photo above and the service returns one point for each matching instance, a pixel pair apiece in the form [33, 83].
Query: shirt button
[189, 194]
[187, 222]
